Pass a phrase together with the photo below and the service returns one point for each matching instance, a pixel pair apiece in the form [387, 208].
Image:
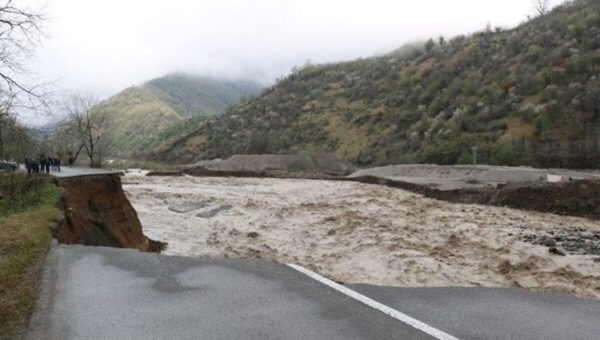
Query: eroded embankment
[574, 198]
[97, 213]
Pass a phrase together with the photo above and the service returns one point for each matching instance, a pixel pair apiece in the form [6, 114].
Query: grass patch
[24, 239]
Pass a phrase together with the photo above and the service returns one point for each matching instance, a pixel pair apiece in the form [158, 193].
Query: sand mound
[319, 163]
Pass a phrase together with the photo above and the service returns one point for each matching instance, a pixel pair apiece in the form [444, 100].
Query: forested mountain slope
[527, 95]
[140, 119]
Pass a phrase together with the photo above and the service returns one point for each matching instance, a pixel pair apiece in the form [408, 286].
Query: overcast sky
[103, 46]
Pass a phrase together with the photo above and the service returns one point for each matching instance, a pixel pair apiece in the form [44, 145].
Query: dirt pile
[306, 163]
[97, 213]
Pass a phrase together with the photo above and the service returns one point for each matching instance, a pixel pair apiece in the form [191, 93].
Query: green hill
[527, 95]
[143, 118]
[200, 96]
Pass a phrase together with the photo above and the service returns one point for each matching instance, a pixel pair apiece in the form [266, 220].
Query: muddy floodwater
[361, 233]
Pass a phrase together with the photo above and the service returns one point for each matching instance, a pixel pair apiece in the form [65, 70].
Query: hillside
[201, 96]
[527, 95]
[145, 117]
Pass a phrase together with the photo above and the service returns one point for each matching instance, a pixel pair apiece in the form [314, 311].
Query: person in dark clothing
[27, 165]
[42, 163]
[58, 164]
[47, 163]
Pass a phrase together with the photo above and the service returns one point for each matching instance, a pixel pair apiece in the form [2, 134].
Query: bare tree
[6, 122]
[88, 126]
[19, 35]
[65, 142]
[541, 7]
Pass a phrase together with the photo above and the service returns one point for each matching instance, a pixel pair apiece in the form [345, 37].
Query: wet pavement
[108, 293]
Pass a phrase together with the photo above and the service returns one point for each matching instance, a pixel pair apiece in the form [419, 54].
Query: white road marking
[434, 332]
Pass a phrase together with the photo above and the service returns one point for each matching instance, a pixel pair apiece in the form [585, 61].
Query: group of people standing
[44, 164]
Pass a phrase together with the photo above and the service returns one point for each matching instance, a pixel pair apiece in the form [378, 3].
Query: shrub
[21, 191]
[534, 53]
[429, 45]
[448, 152]
[541, 122]
[504, 154]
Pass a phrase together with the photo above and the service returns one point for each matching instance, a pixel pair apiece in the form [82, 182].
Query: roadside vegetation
[27, 214]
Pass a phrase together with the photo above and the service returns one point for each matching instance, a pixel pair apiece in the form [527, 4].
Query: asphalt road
[104, 293]
[71, 171]
[67, 171]
[488, 313]
[107, 293]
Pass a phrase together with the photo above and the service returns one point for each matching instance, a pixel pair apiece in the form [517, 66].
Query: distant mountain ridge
[527, 95]
[201, 96]
[142, 118]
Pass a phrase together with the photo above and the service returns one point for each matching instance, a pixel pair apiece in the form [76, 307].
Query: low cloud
[103, 46]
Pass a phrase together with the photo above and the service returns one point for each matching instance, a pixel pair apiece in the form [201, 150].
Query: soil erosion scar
[98, 213]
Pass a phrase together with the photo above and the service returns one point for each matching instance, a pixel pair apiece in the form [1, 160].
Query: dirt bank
[362, 233]
[574, 198]
[98, 213]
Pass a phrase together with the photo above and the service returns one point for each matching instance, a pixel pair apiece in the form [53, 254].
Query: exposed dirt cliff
[97, 213]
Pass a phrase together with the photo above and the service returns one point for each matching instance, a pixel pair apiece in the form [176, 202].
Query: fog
[104, 46]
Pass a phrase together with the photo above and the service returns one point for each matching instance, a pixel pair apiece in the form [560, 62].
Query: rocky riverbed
[571, 240]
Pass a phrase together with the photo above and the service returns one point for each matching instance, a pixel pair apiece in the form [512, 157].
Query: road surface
[501, 313]
[71, 171]
[107, 293]
[68, 171]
